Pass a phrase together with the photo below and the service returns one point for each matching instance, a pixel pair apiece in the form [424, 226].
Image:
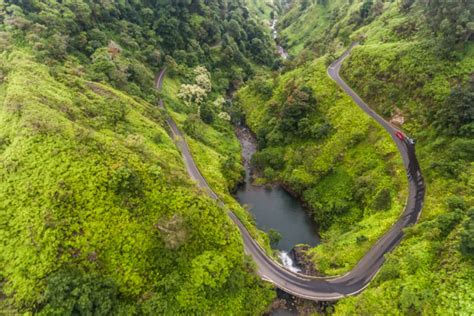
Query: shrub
[125, 181]
[274, 237]
[206, 113]
[270, 173]
[390, 270]
[361, 239]
[297, 103]
[456, 202]
[269, 157]
[447, 222]
[71, 292]
[383, 200]
[467, 236]
[456, 115]
[191, 126]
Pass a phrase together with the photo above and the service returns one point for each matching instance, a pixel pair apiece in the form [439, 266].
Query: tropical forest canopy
[98, 214]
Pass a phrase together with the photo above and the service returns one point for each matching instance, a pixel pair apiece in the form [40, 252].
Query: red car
[400, 135]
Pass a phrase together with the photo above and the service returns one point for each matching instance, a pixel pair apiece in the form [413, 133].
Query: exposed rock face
[397, 119]
[297, 306]
[292, 305]
[306, 307]
[277, 305]
[303, 261]
[173, 231]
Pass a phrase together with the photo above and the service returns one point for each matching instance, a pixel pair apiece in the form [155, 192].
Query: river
[273, 207]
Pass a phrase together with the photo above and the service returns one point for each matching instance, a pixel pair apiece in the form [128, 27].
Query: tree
[224, 116]
[405, 5]
[113, 49]
[263, 86]
[365, 9]
[171, 65]
[467, 236]
[451, 22]
[206, 113]
[192, 94]
[96, 39]
[70, 292]
[192, 126]
[274, 237]
[234, 29]
[16, 18]
[56, 46]
[203, 78]
[297, 103]
[209, 271]
[102, 64]
[456, 115]
[383, 200]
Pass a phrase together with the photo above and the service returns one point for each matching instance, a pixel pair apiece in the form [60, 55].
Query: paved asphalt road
[326, 288]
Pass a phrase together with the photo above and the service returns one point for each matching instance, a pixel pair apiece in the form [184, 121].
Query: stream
[281, 51]
[274, 208]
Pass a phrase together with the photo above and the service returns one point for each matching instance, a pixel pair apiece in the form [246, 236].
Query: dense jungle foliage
[414, 66]
[221, 35]
[316, 141]
[97, 212]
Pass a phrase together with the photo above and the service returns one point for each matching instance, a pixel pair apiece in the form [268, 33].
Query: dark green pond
[274, 208]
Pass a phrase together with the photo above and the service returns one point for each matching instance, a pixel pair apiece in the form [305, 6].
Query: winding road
[355, 281]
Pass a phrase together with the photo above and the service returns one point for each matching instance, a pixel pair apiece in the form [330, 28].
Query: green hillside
[261, 8]
[415, 67]
[98, 215]
[338, 160]
[97, 212]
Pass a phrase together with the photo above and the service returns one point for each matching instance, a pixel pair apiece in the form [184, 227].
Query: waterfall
[283, 53]
[273, 27]
[288, 262]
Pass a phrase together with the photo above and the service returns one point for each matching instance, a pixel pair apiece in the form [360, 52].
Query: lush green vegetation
[215, 149]
[317, 142]
[434, 96]
[323, 26]
[415, 67]
[97, 212]
[261, 8]
[221, 35]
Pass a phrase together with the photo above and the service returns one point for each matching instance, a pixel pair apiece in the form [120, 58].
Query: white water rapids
[288, 262]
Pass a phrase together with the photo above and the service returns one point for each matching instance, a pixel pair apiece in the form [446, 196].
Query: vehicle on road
[400, 135]
[411, 141]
